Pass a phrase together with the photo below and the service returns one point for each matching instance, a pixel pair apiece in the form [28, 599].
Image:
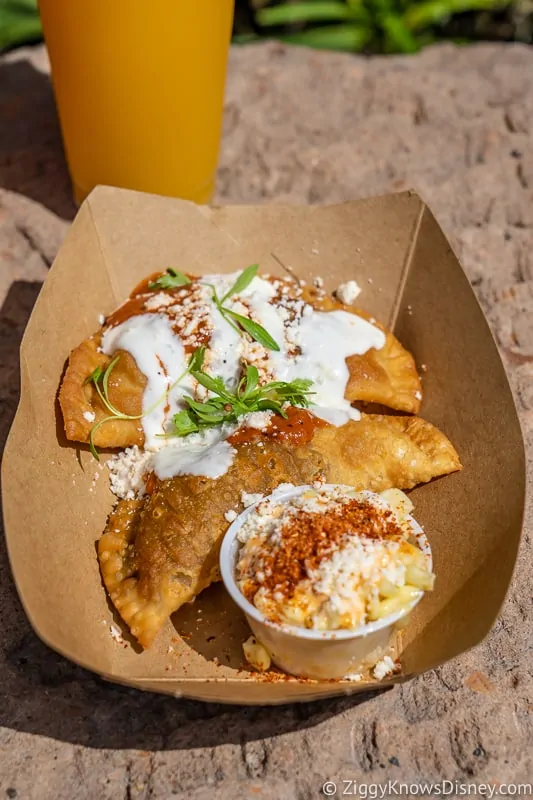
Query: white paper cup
[310, 653]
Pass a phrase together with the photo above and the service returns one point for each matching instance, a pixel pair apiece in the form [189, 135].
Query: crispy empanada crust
[381, 452]
[79, 401]
[160, 552]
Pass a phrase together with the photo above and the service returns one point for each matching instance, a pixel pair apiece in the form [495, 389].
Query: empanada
[381, 452]
[159, 553]
[82, 408]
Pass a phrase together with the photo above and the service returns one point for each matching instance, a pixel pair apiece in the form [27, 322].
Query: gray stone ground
[456, 124]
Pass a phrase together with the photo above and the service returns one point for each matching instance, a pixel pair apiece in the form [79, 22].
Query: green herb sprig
[228, 406]
[253, 329]
[100, 379]
[172, 279]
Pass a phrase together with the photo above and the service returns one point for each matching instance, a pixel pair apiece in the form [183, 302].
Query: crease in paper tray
[56, 502]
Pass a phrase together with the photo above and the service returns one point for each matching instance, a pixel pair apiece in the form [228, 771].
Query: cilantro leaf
[170, 280]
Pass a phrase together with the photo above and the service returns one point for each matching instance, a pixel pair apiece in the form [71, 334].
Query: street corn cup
[325, 575]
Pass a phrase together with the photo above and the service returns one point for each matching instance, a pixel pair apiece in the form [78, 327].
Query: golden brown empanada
[159, 553]
[82, 407]
[382, 452]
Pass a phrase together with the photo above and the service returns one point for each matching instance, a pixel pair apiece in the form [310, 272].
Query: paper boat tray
[56, 500]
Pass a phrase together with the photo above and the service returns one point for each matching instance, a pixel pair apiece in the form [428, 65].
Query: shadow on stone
[32, 162]
[43, 693]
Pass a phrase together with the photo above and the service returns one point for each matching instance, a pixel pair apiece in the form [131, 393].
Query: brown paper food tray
[56, 499]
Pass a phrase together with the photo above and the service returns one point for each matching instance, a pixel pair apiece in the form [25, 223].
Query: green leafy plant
[19, 22]
[390, 26]
[370, 26]
[228, 406]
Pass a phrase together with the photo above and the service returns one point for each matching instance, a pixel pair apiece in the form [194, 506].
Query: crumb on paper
[348, 292]
[314, 251]
[90, 416]
[230, 515]
[115, 633]
[101, 319]
[356, 677]
[318, 282]
[384, 668]
[370, 280]
[423, 368]
[256, 654]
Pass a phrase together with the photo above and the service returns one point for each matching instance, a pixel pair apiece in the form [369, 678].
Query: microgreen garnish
[253, 329]
[242, 282]
[170, 280]
[228, 405]
[100, 379]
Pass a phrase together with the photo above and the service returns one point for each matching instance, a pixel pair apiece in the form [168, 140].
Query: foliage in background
[19, 22]
[385, 26]
[369, 26]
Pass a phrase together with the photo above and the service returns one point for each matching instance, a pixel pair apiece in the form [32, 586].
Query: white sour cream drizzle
[313, 345]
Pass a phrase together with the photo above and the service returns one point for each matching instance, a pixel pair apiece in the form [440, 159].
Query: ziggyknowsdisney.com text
[445, 788]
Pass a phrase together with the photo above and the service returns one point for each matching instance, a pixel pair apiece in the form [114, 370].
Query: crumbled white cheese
[249, 498]
[348, 292]
[231, 515]
[418, 395]
[101, 319]
[383, 668]
[256, 419]
[116, 634]
[159, 301]
[90, 416]
[127, 470]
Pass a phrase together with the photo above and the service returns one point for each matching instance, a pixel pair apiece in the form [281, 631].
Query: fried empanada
[82, 408]
[160, 552]
[382, 452]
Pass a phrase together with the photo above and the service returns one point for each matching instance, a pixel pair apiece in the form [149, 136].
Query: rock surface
[457, 125]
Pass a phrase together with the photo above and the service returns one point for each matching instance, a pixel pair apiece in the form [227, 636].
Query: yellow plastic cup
[139, 88]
